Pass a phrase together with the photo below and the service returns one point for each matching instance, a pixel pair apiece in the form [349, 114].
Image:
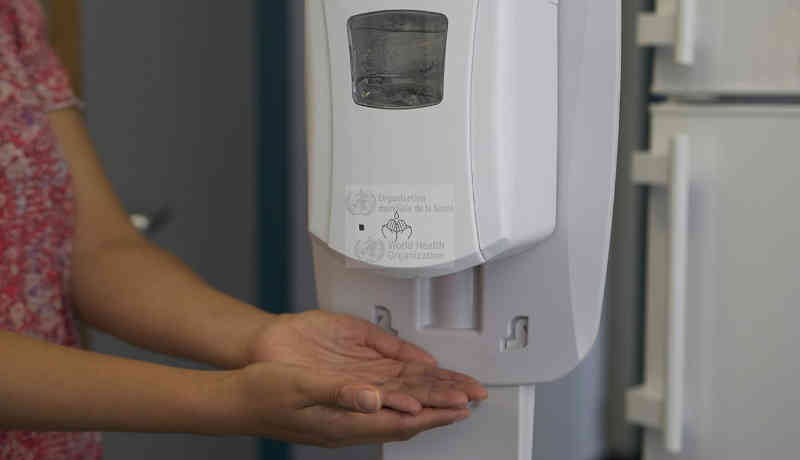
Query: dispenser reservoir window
[397, 58]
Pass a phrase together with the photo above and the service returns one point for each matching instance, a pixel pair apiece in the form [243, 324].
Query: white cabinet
[740, 47]
[742, 370]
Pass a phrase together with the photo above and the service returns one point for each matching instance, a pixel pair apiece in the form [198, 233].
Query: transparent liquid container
[397, 58]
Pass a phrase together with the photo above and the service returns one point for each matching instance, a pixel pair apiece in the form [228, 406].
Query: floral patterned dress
[36, 211]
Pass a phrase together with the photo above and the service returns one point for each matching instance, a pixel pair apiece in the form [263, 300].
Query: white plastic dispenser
[462, 162]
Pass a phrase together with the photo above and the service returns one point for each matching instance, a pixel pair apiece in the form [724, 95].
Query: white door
[738, 46]
[742, 371]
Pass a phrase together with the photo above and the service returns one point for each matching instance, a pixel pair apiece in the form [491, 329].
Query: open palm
[406, 377]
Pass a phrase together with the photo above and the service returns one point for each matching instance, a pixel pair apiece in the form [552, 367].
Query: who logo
[361, 202]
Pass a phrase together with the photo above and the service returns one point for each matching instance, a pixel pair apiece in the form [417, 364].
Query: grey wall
[170, 91]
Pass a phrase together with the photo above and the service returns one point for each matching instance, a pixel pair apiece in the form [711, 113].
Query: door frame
[272, 87]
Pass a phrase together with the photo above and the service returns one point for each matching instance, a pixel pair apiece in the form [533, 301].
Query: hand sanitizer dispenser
[462, 162]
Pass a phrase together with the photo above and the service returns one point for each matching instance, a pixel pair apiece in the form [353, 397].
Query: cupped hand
[323, 407]
[404, 377]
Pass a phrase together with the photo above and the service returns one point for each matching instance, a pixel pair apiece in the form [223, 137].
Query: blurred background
[197, 109]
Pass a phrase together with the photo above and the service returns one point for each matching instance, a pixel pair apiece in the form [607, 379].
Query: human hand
[406, 377]
[322, 407]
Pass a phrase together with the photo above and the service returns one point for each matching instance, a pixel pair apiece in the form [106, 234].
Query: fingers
[434, 418]
[428, 393]
[401, 402]
[444, 374]
[395, 348]
[422, 369]
[471, 388]
[358, 398]
[407, 396]
[456, 381]
[444, 398]
[476, 392]
[429, 385]
[335, 390]
[391, 426]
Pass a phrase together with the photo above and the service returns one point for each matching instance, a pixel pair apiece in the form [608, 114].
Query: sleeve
[44, 71]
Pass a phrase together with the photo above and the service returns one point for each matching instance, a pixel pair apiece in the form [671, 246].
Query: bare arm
[47, 387]
[50, 387]
[132, 289]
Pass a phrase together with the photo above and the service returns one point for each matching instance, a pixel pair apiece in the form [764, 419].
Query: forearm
[132, 289]
[46, 387]
[140, 293]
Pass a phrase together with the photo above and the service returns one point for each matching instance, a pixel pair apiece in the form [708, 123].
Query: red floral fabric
[36, 211]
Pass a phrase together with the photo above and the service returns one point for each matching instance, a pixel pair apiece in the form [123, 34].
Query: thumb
[343, 393]
[357, 397]
[339, 391]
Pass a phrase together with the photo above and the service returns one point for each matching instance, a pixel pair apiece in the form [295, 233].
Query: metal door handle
[671, 28]
[660, 404]
[152, 222]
